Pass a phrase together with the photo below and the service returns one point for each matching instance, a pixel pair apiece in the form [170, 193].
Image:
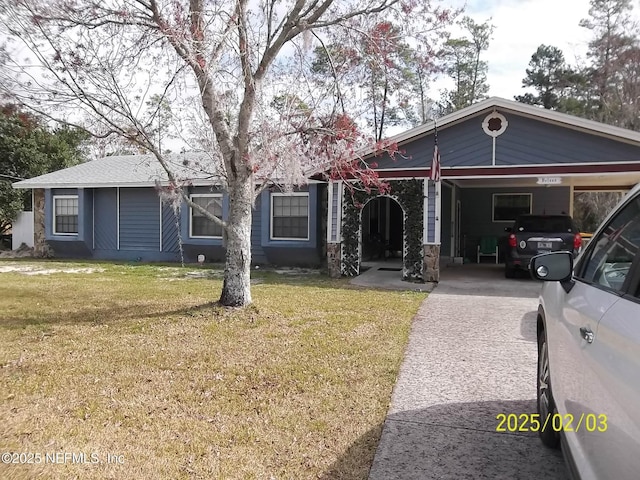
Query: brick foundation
[431, 263]
[40, 246]
[334, 260]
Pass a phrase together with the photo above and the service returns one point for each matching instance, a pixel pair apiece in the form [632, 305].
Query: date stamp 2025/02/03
[533, 422]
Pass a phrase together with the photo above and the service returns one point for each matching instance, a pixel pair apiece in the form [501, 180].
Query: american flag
[435, 161]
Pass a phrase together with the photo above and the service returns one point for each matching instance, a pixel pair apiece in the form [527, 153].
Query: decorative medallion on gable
[494, 124]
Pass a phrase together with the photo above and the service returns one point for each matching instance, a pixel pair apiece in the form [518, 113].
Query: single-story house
[498, 158]
[110, 209]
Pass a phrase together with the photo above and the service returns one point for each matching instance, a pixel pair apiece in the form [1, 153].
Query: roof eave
[25, 184]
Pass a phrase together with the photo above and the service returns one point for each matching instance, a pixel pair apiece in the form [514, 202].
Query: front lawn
[128, 371]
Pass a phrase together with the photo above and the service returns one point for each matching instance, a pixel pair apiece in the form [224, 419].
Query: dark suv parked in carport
[535, 234]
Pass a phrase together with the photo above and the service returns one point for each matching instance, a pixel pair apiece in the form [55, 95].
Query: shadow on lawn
[451, 441]
[106, 315]
[117, 312]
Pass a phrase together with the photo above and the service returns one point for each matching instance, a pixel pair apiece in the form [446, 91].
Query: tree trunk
[236, 288]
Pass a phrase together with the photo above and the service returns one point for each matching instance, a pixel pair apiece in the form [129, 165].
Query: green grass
[137, 360]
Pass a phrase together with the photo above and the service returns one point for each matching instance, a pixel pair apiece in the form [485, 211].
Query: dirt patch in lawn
[43, 270]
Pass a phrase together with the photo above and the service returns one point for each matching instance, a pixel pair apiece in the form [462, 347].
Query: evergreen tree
[28, 149]
[462, 62]
[549, 75]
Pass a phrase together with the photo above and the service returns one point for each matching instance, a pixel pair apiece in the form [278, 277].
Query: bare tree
[613, 53]
[223, 62]
[591, 208]
[381, 67]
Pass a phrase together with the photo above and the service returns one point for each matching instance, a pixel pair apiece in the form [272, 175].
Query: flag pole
[435, 176]
[434, 173]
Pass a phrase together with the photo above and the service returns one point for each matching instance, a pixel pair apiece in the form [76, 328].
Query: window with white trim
[290, 216]
[507, 206]
[200, 225]
[65, 214]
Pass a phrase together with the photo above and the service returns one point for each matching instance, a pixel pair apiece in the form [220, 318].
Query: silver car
[589, 349]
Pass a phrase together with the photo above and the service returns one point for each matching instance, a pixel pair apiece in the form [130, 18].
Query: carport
[474, 208]
[498, 158]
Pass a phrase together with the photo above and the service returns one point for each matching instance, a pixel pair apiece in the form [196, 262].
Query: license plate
[544, 245]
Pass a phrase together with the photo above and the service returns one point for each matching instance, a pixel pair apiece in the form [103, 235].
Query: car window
[550, 224]
[614, 249]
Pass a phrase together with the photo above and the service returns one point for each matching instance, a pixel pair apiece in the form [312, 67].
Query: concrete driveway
[471, 356]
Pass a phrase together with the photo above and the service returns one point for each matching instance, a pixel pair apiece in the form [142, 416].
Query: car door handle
[587, 334]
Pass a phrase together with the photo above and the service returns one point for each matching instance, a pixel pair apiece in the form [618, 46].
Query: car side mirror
[553, 267]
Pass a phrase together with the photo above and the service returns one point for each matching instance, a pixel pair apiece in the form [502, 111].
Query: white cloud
[520, 27]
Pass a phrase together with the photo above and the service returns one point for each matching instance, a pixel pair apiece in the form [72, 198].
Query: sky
[520, 27]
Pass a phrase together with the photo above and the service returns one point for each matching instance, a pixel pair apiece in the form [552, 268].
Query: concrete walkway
[387, 275]
[471, 356]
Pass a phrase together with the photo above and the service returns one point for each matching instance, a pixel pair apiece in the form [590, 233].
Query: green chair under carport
[488, 247]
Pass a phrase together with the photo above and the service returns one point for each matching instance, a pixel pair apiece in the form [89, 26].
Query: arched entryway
[382, 230]
[398, 220]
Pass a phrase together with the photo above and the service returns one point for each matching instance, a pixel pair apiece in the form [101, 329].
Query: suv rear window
[544, 224]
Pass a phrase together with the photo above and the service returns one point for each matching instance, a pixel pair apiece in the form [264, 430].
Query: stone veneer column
[334, 260]
[40, 246]
[431, 263]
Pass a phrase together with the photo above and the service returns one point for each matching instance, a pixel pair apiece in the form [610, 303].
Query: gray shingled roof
[124, 171]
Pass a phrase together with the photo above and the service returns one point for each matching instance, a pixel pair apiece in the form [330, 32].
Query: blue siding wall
[529, 141]
[64, 191]
[139, 219]
[550, 201]
[457, 241]
[105, 223]
[445, 221]
[86, 220]
[463, 144]
[170, 222]
[526, 141]
[257, 252]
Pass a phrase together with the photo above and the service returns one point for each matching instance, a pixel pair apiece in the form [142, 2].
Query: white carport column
[334, 222]
[438, 212]
[431, 231]
[425, 212]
